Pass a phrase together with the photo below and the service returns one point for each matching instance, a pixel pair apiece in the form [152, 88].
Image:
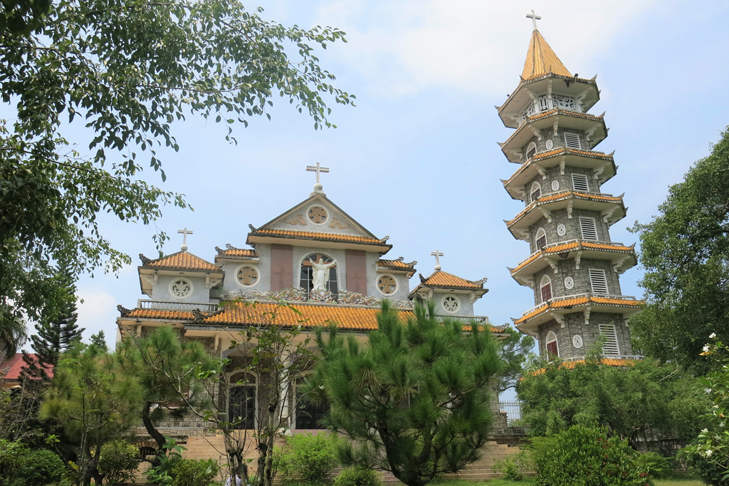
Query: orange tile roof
[557, 111]
[577, 301]
[553, 153]
[310, 235]
[563, 195]
[159, 314]
[181, 260]
[606, 361]
[444, 279]
[541, 59]
[573, 246]
[238, 252]
[396, 264]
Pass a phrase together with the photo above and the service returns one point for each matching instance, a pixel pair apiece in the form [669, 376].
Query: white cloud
[468, 45]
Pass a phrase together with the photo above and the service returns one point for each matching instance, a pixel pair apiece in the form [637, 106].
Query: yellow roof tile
[395, 264]
[572, 246]
[606, 361]
[561, 304]
[237, 252]
[444, 279]
[316, 236]
[181, 260]
[159, 314]
[541, 59]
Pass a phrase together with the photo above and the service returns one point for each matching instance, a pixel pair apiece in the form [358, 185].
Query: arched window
[307, 274]
[309, 416]
[552, 348]
[541, 239]
[242, 401]
[531, 150]
[535, 192]
[546, 287]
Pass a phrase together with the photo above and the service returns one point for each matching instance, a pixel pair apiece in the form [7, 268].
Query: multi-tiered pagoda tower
[573, 266]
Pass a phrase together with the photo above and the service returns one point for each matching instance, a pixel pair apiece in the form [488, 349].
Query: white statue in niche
[321, 274]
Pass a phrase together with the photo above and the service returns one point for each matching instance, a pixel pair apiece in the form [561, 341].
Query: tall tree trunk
[153, 432]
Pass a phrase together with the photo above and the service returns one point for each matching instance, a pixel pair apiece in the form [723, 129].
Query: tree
[12, 333]
[685, 250]
[634, 401]
[415, 400]
[56, 333]
[514, 351]
[99, 340]
[124, 72]
[94, 402]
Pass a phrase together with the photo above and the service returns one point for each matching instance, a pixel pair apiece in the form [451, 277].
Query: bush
[710, 471]
[11, 461]
[514, 466]
[309, 458]
[22, 466]
[358, 476]
[189, 472]
[585, 456]
[119, 461]
[657, 465]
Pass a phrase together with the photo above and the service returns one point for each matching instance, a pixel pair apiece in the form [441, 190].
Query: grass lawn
[530, 482]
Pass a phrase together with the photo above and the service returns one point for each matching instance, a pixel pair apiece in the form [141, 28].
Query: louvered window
[572, 140]
[610, 346]
[589, 228]
[598, 280]
[580, 183]
[541, 239]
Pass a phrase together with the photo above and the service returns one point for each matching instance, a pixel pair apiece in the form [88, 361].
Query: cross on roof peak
[534, 18]
[184, 233]
[318, 169]
[437, 256]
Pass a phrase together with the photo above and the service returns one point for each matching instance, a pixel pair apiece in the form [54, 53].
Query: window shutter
[536, 193]
[552, 348]
[598, 280]
[531, 151]
[610, 347]
[546, 292]
[580, 183]
[589, 229]
[572, 140]
[541, 242]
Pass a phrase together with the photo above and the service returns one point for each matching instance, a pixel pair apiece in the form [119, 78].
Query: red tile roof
[16, 365]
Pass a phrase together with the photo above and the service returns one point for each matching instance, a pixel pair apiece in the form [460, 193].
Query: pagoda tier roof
[242, 314]
[541, 59]
[558, 307]
[602, 164]
[623, 257]
[594, 126]
[265, 235]
[397, 265]
[611, 208]
[618, 362]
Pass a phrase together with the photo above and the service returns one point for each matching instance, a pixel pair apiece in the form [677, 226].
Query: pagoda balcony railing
[567, 242]
[178, 306]
[577, 296]
[607, 356]
[478, 319]
[565, 191]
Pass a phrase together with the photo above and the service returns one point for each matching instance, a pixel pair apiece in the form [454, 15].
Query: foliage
[309, 458]
[514, 351]
[119, 461]
[190, 472]
[99, 340]
[358, 476]
[159, 474]
[20, 466]
[629, 400]
[94, 402]
[415, 400]
[514, 466]
[12, 332]
[685, 250]
[709, 455]
[12, 456]
[94, 89]
[586, 456]
[657, 465]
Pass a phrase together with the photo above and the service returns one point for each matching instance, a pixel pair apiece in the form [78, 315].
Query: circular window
[387, 284]
[555, 185]
[549, 144]
[317, 215]
[569, 282]
[450, 303]
[247, 276]
[577, 341]
[181, 288]
[561, 230]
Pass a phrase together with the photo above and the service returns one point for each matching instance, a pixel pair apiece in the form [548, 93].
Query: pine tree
[57, 330]
[99, 340]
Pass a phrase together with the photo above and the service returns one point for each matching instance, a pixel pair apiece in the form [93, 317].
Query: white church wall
[301, 252]
[199, 294]
[465, 309]
[336, 222]
[264, 271]
[403, 284]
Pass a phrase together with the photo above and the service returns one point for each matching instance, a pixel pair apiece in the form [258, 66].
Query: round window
[450, 303]
[561, 229]
[577, 341]
[247, 276]
[180, 288]
[569, 282]
[317, 215]
[549, 144]
[555, 185]
[387, 284]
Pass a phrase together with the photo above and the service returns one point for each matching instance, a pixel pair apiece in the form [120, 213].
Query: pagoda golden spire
[541, 59]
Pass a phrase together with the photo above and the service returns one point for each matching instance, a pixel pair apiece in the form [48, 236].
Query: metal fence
[512, 411]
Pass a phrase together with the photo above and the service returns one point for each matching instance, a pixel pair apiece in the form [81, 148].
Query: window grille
[543, 103]
[306, 281]
[546, 289]
[598, 280]
[536, 192]
[552, 347]
[564, 102]
[541, 238]
[531, 150]
[572, 140]
[309, 416]
[610, 347]
[589, 228]
[580, 183]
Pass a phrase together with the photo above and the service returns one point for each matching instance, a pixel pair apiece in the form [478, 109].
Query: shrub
[585, 456]
[513, 467]
[358, 476]
[657, 465]
[41, 467]
[119, 461]
[189, 472]
[711, 471]
[11, 461]
[309, 458]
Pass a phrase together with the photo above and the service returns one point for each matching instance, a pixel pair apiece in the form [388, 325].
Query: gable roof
[182, 260]
[541, 59]
[11, 368]
[441, 279]
[398, 265]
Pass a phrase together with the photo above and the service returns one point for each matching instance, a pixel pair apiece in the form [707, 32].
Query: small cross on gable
[437, 256]
[534, 18]
[184, 233]
[318, 169]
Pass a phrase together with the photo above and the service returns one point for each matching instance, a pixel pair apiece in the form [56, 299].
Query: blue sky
[417, 158]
